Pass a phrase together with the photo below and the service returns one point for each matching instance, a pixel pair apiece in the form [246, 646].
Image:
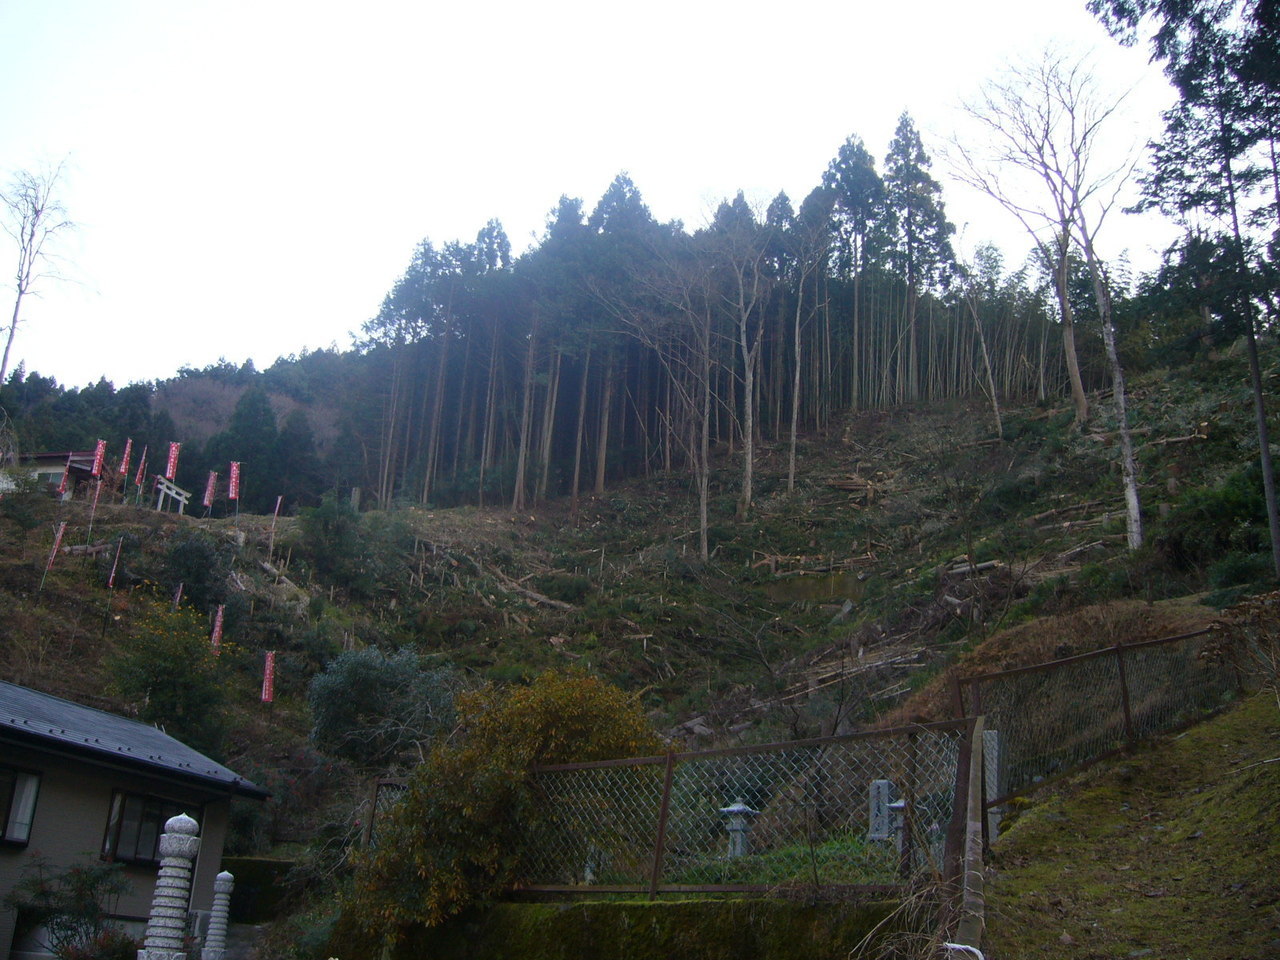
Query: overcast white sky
[249, 178]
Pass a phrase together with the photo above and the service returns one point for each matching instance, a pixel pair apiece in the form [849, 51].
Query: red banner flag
[210, 487]
[171, 468]
[269, 678]
[66, 472]
[142, 468]
[126, 457]
[57, 542]
[233, 482]
[99, 455]
[216, 639]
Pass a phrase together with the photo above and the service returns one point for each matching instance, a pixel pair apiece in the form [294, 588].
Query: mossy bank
[682, 930]
[1173, 851]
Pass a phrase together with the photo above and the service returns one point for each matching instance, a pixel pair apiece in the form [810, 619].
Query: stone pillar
[994, 774]
[215, 944]
[167, 926]
[880, 818]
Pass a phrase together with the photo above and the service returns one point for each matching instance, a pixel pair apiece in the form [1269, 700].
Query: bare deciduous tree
[32, 216]
[1043, 123]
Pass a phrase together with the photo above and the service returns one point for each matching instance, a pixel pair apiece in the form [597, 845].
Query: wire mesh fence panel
[1050, 721]
[595, 825]
[1174, 684]
[782, 815]
[1045, 720]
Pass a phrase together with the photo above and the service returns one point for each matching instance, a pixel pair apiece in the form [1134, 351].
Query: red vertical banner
[66, 472]
[210, 487]
[126, 457]
[216, 638]
[57, 542]
[99, 455]
[233, 482]
[171, 468]
[269, 678]
[142, 468]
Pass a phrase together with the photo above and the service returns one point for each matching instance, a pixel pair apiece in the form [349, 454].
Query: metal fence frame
[1155, 711]
[953, 840]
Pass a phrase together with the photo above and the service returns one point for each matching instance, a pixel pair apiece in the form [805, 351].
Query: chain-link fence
[1051, 718]
[866, 811]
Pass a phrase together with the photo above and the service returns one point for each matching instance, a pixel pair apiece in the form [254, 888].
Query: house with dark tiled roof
[79, 784]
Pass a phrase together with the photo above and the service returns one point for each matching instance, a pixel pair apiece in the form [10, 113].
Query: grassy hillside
[1171, 852]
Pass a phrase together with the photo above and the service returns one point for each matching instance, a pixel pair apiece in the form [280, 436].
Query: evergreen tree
[920, 244]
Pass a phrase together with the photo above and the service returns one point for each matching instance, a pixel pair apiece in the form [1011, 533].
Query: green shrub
[361, 553]
[74, 906]
[1237, 569]
[455, 837]
[331, 540]
[26, 504]
[168, 671]
[1213, 521]
[373, 708]
[194, 561]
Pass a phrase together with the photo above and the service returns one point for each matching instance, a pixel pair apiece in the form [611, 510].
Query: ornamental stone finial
[167, 925]
[215, 944]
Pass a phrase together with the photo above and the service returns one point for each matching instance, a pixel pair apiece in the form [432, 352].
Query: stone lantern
[738, 822]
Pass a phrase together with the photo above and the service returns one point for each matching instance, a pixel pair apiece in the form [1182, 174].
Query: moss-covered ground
[683, 930]
[1172, 852]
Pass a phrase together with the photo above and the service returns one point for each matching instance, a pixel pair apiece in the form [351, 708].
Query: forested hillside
[769, 475]
[618, 347]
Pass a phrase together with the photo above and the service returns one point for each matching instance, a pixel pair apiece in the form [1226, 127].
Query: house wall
[70, 822]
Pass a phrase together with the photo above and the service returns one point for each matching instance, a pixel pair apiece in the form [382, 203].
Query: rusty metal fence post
[660, 844]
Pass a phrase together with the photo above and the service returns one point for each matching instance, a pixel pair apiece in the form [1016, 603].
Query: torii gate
[167, 488]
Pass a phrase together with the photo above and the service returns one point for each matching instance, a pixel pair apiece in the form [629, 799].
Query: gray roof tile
[32, 715]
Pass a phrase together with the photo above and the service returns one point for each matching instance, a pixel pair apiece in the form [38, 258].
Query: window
[134, 826]
[18, 789]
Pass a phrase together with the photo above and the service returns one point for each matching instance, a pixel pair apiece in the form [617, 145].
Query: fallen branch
[974, 567]
[507, 585]
[1061, 510]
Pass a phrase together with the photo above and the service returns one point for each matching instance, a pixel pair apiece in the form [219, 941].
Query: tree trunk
[1128, 463]
[1060, 285]
[548, 429]
[437, 415]
[526, 421]
[577, 439]
[602, 431]
[986, 363]
[13, 329]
